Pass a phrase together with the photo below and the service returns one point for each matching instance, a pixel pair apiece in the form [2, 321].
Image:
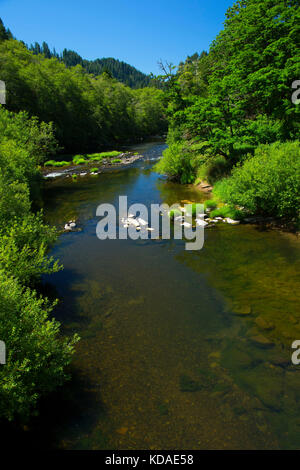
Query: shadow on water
[178, 350]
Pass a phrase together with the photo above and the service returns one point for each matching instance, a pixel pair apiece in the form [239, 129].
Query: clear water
[179, 349]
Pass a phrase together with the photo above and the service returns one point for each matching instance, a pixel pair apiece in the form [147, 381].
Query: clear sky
[139, 32]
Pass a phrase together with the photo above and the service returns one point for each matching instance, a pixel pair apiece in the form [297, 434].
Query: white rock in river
[186, 224]
[72, 224]
[201, 222]
[133, 222]
[68, 227]
[231, 221]
[142, 221]
[53, 175]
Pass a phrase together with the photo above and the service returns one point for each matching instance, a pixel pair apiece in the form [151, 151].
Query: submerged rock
[264, 324]
[241, 309]
[261, 341]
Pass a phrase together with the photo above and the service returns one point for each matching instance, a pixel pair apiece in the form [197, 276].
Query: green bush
[36, 355]
[79, 160]
[116, 160]
[213, 169]
[228, 211]
[267, 183]
[101, 155]
[177, 163]
[210, 204]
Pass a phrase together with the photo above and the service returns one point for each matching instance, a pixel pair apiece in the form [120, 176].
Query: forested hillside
[123, 72]
[225, 104]
[88, 113]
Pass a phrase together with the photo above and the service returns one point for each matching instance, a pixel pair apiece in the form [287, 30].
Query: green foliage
[94, 170]
[177, 164]
[79, 160]
[224, 104]
[210, 204]
[87, 112]
[101, 155]
[116, 160]
[212, 169]
[267, 183]
[228, 211]
[36, 356]
[114, 68]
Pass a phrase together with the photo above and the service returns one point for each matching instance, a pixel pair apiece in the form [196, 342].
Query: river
[179, 349]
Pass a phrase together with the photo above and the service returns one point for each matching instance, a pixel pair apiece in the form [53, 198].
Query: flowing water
[179, 349]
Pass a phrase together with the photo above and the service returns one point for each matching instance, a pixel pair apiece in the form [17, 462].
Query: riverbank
[88, 167]
[264, 222]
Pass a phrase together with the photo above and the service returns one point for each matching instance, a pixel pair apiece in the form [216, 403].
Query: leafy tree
[239, 95]
[36, 354]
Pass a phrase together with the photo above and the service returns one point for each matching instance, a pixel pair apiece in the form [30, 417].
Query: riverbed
[179, 349]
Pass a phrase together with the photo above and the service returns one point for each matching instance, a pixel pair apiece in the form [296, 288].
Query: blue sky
[139, 32]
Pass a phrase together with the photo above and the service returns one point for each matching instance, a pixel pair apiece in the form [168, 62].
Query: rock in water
[142, 221]
[201, 222]
[132, 221]
[231, 221]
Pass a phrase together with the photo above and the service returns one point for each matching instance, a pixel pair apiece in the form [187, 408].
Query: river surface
[179, 349]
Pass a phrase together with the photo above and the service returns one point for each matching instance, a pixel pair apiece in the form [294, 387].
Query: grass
[79, 160]
[228, 211]
[101, 155]
[56, 164]
[93, 170]
[210, 204]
